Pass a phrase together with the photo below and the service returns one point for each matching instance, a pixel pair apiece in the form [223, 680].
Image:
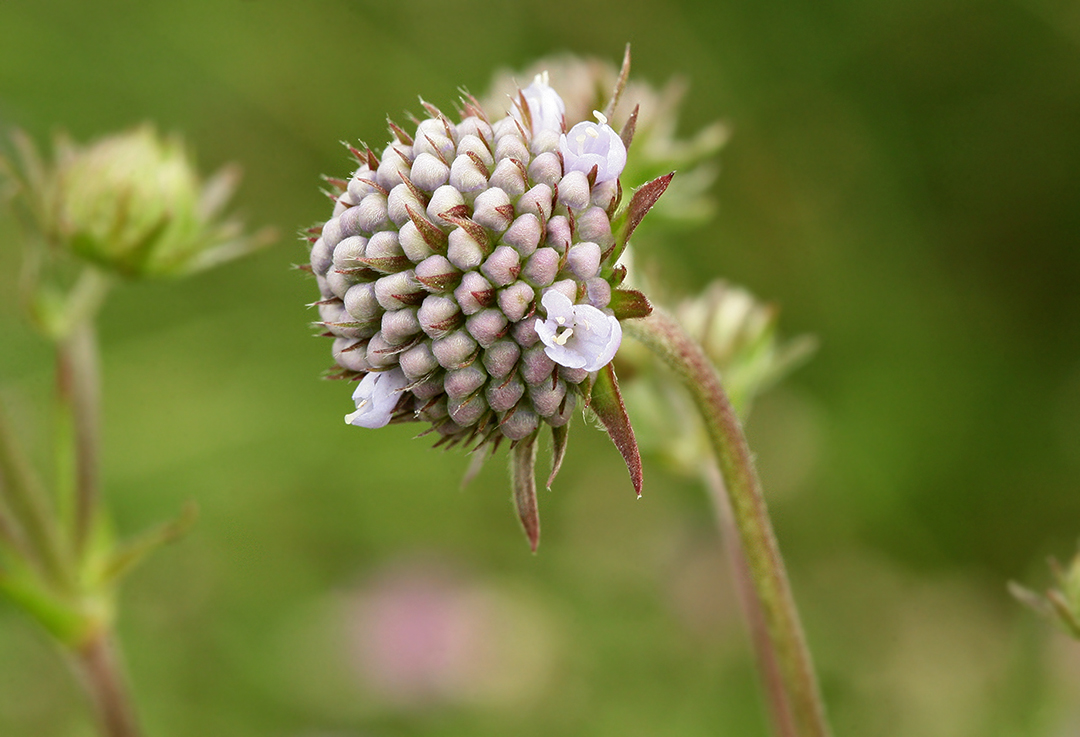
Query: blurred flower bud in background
[585, 84]
[1061, 604]
[131, 203]
[739, 335]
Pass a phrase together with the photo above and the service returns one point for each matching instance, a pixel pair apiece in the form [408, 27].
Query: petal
[565, 355]
[607, 351]
[376, 398]
[557, 305]
[546, 108]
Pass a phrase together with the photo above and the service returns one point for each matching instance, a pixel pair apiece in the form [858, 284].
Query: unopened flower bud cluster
[466, 272]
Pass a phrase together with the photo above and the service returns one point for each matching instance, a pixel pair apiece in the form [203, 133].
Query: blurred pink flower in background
[421, 634]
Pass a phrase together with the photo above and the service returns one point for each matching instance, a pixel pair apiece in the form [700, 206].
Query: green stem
[78, 388]
[30, 508]
[772, 681]
[667, 340]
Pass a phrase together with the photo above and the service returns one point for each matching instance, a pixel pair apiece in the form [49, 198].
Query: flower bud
[463, 251]
[493, 210]
[454, 350]
[546, 169]
[524, 234]
[462, 382]
[429, 172]
[574, 190]
[418, 361]
[516, 300]
[438, 315]
[501, 357]
[583, 260]
[474, 293]
[559, 233]
[541, 268]
[133, 204]
[503, 396]
[487, 326]
[502, 266]
[509, 177]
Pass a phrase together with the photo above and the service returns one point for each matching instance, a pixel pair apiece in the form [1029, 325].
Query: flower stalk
[661, 334]
[98, 665]
[78, 389]
[779, 705]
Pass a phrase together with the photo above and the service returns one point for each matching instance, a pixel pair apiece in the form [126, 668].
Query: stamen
[564, 336]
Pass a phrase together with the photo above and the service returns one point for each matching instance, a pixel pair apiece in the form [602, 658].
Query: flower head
[468, 276]
[577, 336]
[589, 145]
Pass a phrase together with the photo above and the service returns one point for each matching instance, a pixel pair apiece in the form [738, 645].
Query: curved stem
[771, 679]
[667, 340]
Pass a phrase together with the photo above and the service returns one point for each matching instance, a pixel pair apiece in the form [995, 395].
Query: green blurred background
[903, 179]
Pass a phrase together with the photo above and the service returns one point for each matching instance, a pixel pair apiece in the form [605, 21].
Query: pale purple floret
[577, 336]
[594, 144]
[546, 108]
[376, 396]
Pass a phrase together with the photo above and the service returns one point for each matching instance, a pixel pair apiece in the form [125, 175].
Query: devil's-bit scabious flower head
[469, 279]
[133, 204]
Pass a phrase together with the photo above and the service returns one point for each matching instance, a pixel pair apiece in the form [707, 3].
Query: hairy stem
[667, 340]
[772, 681]
[98, 664]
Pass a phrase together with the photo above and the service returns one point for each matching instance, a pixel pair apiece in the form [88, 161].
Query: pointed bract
[560, 437]
[640, 204]
[628, 304]
[523, 480]
[606, 401]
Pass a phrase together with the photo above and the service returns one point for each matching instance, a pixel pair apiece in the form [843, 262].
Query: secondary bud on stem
[133, 204]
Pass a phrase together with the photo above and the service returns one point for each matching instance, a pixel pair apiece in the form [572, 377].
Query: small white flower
[594, 144]
[577, 336]
[376, 396]
[546, 108]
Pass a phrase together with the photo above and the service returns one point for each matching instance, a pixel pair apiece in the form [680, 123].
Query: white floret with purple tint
[594, 144]
[577, 336]
[376, 397]
[546, 108]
